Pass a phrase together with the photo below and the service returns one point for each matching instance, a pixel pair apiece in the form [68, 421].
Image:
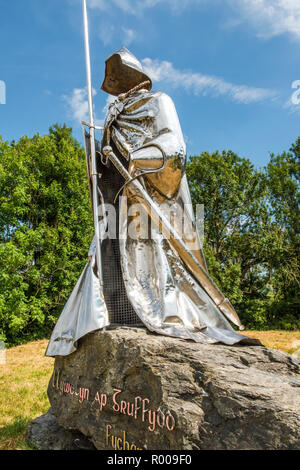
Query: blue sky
[229, 66]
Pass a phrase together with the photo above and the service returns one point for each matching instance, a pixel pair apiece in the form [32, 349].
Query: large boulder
[127, 388]
[44, 433]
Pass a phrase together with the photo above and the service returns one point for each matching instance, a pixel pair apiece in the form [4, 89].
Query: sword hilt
[92, 126]
[108, 153]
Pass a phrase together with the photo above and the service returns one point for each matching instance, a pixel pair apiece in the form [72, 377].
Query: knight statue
[160, 281]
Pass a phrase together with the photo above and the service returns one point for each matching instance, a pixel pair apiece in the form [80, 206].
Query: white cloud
[199, 84]
[270, 17]
[292, 107]
[136, 7]
[163, 71]
[77, 106]
[109, 100]
[125, 5]
[293, 104]
[106, 33]
[128, 36]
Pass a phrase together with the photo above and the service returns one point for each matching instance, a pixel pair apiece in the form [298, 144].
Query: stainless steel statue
[156, 279]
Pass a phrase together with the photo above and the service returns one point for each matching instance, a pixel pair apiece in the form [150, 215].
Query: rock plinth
[129, 389]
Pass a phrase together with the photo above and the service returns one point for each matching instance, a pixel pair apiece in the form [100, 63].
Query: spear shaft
[94, 176]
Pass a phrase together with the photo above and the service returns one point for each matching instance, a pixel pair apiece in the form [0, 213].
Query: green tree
[283, 182]
[45, 230]
[244, 241]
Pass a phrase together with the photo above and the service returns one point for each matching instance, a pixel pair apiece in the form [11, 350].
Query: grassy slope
[24, 380]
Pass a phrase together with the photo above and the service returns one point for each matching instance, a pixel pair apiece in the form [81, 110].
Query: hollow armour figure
[155, 279]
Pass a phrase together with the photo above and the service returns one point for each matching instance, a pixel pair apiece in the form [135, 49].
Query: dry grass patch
[287, 341]
[24, 380]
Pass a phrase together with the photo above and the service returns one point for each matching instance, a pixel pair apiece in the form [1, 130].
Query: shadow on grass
[13, 435]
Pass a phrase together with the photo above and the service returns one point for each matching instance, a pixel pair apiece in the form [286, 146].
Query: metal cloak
[158, 286]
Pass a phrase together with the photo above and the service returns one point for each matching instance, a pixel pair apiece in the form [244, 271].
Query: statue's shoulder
[156, 102]
[159, 95]
[161, 99]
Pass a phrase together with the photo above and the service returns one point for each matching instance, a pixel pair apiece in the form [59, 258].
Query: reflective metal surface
[84, 312]
[123, 71]
[160, 281]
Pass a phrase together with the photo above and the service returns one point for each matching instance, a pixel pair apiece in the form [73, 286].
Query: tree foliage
[45, 230]
[252, 233]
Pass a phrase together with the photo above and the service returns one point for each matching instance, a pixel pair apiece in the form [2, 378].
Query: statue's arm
[165, 151]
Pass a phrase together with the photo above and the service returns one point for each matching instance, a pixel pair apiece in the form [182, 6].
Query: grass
[23, 392]
[287, 341]
[25, 376]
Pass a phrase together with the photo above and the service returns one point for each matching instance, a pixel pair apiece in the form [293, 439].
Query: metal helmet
[123, 71]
